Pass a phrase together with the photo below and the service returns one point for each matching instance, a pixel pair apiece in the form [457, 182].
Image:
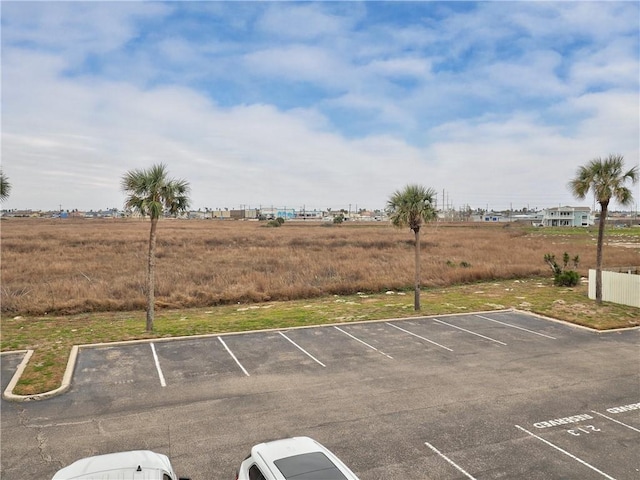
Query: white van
[134, 465]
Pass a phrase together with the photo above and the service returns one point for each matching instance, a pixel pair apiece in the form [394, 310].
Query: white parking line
[233, 356]
[303, 350]
[469, 331]
[460, 469]
[515, 326]
[566, 453]
[155, 358]
[418, 336]
[617, 421]
[364, 343]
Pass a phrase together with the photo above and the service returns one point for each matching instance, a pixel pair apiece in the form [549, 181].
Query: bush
[275, 223]
[568, 278]
[561, 276]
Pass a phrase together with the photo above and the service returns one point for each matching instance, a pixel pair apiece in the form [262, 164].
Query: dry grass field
[73, 266]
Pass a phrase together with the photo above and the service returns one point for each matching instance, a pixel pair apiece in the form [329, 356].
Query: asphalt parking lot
[500, 395]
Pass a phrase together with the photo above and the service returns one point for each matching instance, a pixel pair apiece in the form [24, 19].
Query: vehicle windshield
[309, 466]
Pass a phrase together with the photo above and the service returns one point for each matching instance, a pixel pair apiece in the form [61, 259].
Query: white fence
[618, 287]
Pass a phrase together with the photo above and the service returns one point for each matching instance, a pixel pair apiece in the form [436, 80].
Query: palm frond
[5, 186]
[605, 178]
[412, 206]
[150, 192]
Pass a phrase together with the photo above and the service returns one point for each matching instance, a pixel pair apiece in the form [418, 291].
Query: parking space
[8, 364]
[340, 347]
[480, 396]
[598, 446]
[582, 446]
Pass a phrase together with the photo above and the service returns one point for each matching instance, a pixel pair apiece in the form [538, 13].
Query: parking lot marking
[624, 408]
[303, 350]
[459, 468]
[617, 421]
[233, 356]
[364, 343]
[515, 326]
[566, 453]
[155, 359]
[469, 331]
[418, 336]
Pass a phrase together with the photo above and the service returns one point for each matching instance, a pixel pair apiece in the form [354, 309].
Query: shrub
[568, 278]
[561, 276]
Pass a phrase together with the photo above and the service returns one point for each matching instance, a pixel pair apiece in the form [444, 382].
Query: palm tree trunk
[151, 273]
[601, 224]
[416, 300]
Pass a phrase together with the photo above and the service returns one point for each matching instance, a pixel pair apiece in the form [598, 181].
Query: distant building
[489, 217]
[271, 213]
[218, 213]
[567, 217]
[244, 214]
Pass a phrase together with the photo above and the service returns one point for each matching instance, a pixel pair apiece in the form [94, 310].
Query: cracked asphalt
[482, 396]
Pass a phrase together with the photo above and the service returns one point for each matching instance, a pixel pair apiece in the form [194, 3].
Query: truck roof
[136, 464]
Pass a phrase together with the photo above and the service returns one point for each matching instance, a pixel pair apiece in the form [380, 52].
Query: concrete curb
[575, 325]
[64, 386]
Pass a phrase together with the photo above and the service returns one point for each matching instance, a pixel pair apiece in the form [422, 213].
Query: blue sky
[321, 104]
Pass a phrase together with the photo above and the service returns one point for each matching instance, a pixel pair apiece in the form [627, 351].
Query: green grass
[51, 337]
[586, 231]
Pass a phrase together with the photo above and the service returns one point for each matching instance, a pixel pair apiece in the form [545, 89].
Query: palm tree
[151, 192]
[606, 179]
[5, 186]
[410, 208]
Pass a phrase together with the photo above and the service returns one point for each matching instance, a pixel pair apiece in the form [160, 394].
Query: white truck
[133, 465]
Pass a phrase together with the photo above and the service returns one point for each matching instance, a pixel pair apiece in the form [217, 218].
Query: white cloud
[613, 65]
[75, 26]
[302, 22]
[298, 63]
[399, 67]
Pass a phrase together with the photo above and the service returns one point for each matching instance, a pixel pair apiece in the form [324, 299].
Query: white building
[567, 217]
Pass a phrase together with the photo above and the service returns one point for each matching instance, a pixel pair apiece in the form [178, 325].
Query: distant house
[567, 217]
[488, 217]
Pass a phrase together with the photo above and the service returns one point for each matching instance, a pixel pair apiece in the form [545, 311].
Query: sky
[316, 104]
